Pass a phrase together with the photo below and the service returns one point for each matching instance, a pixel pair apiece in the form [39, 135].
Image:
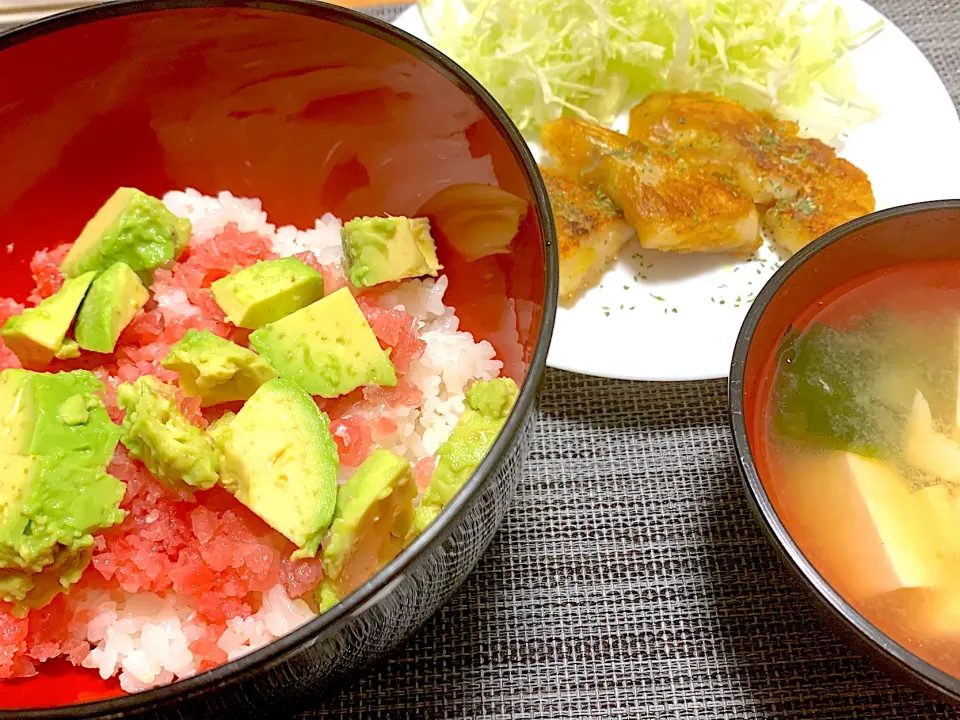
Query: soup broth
[859, 450]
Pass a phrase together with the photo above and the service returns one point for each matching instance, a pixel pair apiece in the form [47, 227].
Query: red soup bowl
[313, 109]
[913, 238]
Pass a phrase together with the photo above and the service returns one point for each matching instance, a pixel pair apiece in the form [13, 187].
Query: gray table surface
[630, 579]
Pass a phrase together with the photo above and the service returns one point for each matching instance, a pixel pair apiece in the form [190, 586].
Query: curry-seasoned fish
[590, 230]
[804, 189]
[673, 205]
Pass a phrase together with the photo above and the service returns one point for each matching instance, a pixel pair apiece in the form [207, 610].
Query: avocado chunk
[55, 442]
[131, 227]
[68, 349]
[267, 291]
[36, 335]
[31, 590]
[218, 428]
[158, 433]
[216, 370]
[279, 459]
[114, 297]
[61, 415]
[386, 249]
[374, 514]
[53, 501]
[327, 348]
[488, 405]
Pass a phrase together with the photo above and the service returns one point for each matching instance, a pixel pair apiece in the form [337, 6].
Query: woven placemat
[630, 579]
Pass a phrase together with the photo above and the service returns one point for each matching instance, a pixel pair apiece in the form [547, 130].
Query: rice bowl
[150, 120]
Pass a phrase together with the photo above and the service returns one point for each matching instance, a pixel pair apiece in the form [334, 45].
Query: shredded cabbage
[593, 58]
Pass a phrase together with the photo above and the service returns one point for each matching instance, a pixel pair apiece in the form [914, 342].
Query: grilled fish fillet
[804, 189]
[674, 205]
[590, 229]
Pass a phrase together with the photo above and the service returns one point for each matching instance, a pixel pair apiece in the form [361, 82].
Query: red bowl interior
[289, 105]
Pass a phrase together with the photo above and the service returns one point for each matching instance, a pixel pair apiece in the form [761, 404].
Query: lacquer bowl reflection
[313, 109]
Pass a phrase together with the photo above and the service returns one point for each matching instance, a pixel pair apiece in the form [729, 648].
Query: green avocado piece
[31, 590]
[50, 505]
[327, 348]
[279, 459]
[56, 414]
[488, 405]
[386, 249]
[73, 411]
[131, 227]
[492, 399]
[218, 428]
[115, 296]
[37, 334]
[374, 514]
[68, 349]
[158, 433]
[216, 370]
[56, 439]
[267, 291]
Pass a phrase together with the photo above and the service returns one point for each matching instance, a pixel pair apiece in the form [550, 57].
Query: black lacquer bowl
[885, 239]
[313, 109]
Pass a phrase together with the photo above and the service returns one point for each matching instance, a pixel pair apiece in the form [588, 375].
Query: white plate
[658, 316]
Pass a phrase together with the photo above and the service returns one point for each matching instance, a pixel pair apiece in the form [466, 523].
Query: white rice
[145, 638]
[278, 616]
[173, 301]
[210, 215]
[141, 636]
[323, 240]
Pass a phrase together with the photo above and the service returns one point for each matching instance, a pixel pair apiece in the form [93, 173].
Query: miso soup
[860, 451]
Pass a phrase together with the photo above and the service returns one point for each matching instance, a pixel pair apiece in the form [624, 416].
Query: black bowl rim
[333, 620]
[868, 633]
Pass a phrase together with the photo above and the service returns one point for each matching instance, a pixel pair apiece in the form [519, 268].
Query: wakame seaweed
[824, 391]
[852, 388]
